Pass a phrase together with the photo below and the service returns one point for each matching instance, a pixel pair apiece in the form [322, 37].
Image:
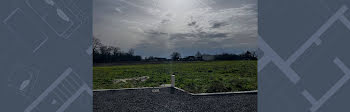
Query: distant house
[189, 58]
[155, 59]
[208, 57]
[160, 59]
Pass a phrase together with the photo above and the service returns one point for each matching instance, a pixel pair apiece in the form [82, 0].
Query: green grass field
[195, 77]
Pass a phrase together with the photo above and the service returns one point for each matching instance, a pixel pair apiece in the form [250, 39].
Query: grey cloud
[226, 26]
[118, 10]
[192, 23]
[198, 35]
[162, 44]
[215, 35]
[218, 24]
[155, 44]
[164, 21]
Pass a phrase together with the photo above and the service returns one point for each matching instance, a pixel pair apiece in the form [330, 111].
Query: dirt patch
[142, 79]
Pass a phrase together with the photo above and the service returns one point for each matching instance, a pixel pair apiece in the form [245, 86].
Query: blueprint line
[276, 59]
[309, 97]
[345, 21]
[47, 38]
[262, 62]
[72, 98]
[335, 87]
[9, 16]
[316, 35]
[48, 90]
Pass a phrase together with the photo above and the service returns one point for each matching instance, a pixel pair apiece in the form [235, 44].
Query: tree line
[248, 55]
[111, 54]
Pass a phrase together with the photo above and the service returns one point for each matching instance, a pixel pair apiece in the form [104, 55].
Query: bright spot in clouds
[159, 27]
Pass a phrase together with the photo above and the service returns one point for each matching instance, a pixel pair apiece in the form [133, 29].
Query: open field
[195, 77]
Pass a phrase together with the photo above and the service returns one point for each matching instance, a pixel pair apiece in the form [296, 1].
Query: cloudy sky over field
[159, 27]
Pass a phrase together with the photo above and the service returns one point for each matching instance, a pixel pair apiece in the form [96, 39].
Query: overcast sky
[159, 27]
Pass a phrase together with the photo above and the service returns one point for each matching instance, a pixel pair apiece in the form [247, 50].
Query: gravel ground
[171, 100]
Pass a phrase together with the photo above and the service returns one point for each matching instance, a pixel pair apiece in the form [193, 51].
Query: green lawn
[195, 77]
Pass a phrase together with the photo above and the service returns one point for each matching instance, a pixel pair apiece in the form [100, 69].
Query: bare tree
[96, 44]
[115, 51]
[131, 52]
[110, 50]
[198, 54]
[175, 56]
